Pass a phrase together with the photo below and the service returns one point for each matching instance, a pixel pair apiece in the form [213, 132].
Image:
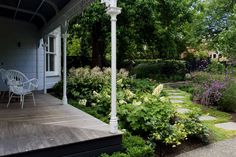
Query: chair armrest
[31, 84]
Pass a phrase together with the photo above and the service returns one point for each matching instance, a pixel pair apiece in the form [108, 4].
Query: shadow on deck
[52, 129]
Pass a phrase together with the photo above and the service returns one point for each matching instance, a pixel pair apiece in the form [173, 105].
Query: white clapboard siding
[21, 49]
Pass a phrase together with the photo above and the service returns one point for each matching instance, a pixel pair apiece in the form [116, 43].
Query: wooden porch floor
[50, 128]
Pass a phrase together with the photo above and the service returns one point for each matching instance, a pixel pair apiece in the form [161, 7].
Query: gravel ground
[225, 148]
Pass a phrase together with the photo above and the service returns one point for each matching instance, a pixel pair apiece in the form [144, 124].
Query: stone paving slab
[227, 126]
[176, 97]
[177, 101]
[178, 94]
[207, 118]
[225, 148]
[182, 110]
[172, 91]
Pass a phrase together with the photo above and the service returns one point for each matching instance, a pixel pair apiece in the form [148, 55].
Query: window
[50, 55]
[53, 54]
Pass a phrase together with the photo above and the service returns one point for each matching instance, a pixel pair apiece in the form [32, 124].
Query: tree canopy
[154, 29]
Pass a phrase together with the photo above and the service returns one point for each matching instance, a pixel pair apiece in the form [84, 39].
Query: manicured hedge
[163, 70]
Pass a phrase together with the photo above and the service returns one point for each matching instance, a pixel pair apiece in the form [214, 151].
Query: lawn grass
[216, 134]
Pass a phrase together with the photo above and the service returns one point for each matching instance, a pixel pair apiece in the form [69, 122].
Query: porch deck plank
[48, 124]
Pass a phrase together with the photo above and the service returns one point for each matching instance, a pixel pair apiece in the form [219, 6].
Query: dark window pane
[52, 65]
[51, 44]
[47, 62]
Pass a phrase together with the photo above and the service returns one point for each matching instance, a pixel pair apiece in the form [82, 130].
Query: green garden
[172, 91]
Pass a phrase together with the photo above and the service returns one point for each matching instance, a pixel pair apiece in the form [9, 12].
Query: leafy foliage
[134, 146]
[140, 112]
[146, 29]
[161, 70]
[227, 101]
[216, 67]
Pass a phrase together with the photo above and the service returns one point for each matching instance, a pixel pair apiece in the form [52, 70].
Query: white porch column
[45, 38]
[113, 11]
[64, 36]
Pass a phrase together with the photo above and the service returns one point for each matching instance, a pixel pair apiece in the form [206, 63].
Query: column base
[114, 125]
[64, 101]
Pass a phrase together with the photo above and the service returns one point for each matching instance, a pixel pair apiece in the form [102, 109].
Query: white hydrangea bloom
[157, 90]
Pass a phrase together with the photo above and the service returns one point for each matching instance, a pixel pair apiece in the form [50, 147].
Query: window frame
[48, 53]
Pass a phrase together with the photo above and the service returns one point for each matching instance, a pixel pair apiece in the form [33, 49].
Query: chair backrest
[3, 75]
[16, 76]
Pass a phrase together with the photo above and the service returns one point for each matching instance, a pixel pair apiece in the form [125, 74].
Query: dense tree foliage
[214, 26]
[154, 29]
[146, 29]
[226, 38]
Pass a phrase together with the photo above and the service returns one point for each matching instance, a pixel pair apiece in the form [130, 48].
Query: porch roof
[41, 13]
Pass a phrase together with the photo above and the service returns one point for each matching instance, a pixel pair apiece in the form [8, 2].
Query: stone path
[176, 97]
[225, 148]
[227, 126]
[220, 149]
[174, 101]
[183, 110]
[206, 118]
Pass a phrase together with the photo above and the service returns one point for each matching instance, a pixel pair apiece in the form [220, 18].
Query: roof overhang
[72, 9]
[46, 15]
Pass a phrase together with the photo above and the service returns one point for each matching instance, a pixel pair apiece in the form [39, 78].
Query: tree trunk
[98, 46]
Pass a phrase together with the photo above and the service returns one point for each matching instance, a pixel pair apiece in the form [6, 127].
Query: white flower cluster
[157, 90]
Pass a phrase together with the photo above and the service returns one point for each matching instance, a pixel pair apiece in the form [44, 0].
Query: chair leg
[3, 94]
[9, 99]
[33, 99]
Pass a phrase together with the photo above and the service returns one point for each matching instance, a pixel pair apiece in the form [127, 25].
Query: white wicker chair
[20, 85]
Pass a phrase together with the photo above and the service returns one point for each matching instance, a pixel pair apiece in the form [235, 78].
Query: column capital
[64, 26]
[113, 11]
[65, 35]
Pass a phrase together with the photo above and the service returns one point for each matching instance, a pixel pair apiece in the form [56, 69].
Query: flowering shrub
[155, 119]
[142, 109]
[157, 90]
[212, 92]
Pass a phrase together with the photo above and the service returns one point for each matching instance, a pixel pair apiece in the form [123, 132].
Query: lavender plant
[212, 92]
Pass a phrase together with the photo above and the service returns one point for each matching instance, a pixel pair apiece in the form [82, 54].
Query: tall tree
[146, 29]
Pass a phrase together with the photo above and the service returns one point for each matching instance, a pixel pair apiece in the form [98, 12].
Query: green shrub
[216, 68]
[151, 118]
[83, 82]
[133, 146]
[202, 77]
[163, 70]
[140, 112]
[227, 101]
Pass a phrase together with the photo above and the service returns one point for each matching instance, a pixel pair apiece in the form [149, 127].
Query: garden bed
[146, 112]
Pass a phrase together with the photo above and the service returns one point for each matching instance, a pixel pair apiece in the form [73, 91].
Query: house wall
[56, 77]
[20, 49]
